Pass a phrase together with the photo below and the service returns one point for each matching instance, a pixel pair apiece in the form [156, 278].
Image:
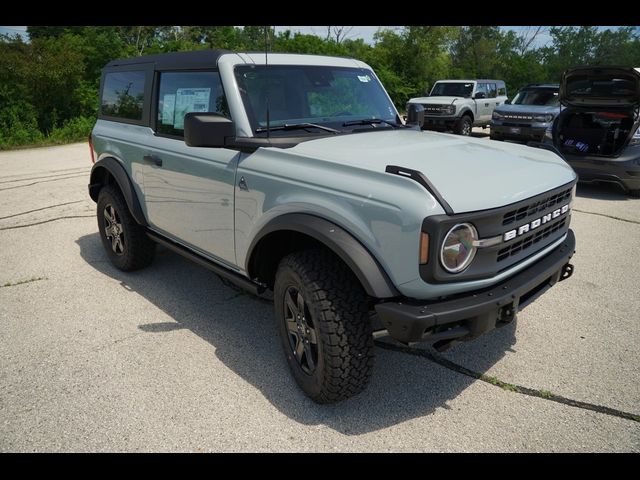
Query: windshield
[452, 89]
[537, 96]
[300, 94]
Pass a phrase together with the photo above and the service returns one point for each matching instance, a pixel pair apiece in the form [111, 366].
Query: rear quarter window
[123, 95]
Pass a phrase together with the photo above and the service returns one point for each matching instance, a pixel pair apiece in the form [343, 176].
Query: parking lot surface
[170, 359]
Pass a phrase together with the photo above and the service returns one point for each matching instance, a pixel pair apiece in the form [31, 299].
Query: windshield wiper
[372, 121]
[297, 126]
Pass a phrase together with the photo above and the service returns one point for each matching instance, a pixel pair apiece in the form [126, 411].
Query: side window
[184, 92]
[502, 90]
[123, 95]
[482, 87]
[491, 87]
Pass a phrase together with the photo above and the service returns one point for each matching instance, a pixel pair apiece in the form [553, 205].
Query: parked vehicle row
[591, 118]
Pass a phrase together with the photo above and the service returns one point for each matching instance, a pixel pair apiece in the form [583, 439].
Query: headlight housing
[458, 249]
[449, 109]
[543, 118]
[497, 115]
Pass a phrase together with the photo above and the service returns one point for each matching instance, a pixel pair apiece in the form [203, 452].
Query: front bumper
[623, 170]
[439, 122]
[470, 314]
[517, 132]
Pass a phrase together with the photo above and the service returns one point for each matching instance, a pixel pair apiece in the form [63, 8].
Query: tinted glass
[482, 87]
[330, 96]
[123, 95]
[452, 89]
[502, 90]
[184, 92]
[491, 87]
[584, 86]
[537, 96]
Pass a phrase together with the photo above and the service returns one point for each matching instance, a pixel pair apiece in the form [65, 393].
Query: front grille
[530, 240]
[434, 109]
[533, 208]
[519, 116]
[492, 260]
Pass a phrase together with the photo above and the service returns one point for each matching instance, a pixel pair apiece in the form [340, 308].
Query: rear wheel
[125, 242]
[463, 126]
[323, 321]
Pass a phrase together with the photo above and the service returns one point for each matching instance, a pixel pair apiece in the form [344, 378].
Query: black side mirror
[480, 95]
[415, 114]
[207, 129]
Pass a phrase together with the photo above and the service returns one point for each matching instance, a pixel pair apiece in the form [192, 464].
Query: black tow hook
[567, 271]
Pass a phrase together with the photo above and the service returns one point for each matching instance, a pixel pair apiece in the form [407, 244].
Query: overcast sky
[364, 32]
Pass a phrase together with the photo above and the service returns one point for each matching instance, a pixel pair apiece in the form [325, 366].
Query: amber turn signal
[424, 248]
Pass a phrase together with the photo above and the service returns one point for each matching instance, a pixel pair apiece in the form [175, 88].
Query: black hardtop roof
[185, 60]
[542, 85]
[471, 80]
[174, 60]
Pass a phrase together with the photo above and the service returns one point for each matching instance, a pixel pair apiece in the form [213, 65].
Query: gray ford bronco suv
[528, 115]
[295, 174]
[459, 105]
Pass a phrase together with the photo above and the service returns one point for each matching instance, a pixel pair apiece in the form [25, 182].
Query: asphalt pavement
[170, 359]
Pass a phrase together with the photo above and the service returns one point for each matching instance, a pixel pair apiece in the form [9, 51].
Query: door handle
[153, 159]
[486, 104]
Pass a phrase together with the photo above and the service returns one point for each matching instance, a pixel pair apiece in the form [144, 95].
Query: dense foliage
[49, 85]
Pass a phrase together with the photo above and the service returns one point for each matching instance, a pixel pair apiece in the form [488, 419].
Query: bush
[73, 130]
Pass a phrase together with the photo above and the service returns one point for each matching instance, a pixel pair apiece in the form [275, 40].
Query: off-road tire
[339, 310]
[463, 126]
[493, 137]
[137, 250]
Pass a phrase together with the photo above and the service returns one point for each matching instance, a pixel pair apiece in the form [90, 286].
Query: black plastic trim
[420, 177]
[489, 224]
[479, 311]
[233, 277]
[363, 264]
[121, 177]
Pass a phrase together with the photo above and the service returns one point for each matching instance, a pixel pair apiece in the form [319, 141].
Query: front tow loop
[567, 271]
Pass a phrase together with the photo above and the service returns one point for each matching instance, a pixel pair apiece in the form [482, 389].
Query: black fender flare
[120, 176]
[466, 110]
[362, 263]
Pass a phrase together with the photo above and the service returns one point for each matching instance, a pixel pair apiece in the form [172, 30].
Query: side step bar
[229, 275]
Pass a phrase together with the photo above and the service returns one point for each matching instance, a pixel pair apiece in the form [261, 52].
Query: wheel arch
[467, 111]
[296, 231]
[109, 171]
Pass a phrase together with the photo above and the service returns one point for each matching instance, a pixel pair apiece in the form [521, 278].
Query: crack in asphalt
[608, 216]
[45, 171]
[45, 176]
[43, 181]
[40, 209]
[45, 221]
[543, 394]
[22, 282]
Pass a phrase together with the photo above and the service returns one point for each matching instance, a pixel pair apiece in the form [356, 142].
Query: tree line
[49, 84]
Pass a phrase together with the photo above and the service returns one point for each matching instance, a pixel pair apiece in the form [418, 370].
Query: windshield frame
[333, 122]
[556, 90]
[452, 82]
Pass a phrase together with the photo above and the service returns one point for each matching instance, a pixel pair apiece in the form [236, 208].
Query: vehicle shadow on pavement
[241, 329]
[602, 191]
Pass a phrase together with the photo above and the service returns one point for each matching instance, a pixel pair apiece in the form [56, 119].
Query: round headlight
[457, 250]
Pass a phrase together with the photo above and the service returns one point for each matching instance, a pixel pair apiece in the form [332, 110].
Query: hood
[600, 87]
[437, 100]
[470, 173]
[537, 109]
